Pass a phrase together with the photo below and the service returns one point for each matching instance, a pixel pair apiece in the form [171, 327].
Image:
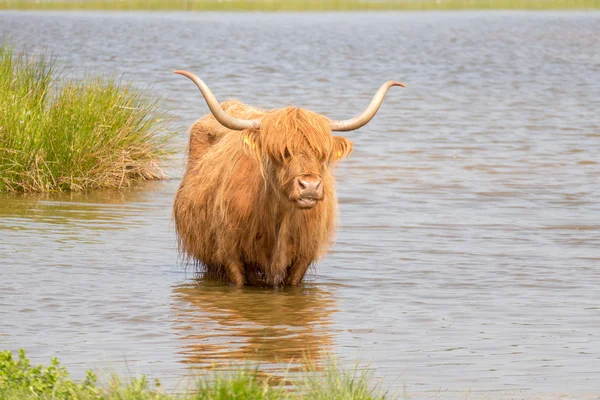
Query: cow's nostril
[309, 185]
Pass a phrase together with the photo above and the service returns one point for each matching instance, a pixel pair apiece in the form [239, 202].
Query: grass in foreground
[296, 5]
[67, 135]
[19, 380]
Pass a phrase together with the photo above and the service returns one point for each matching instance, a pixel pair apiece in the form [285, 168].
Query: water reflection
[97, 210]
[221, 324]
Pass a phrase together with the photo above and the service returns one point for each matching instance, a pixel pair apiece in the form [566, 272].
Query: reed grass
[58, 134]
[296, 5]
[334, 383]
[19, 380]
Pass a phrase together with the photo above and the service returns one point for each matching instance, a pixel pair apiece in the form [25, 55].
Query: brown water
[468, 250]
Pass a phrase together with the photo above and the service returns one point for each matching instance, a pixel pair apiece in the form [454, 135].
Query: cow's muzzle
[310, 191]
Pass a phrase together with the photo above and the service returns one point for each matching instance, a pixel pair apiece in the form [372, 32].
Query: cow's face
[297, 150]
[302, 175]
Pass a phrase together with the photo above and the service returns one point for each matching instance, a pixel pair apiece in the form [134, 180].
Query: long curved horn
[368, 114]
[215, 108]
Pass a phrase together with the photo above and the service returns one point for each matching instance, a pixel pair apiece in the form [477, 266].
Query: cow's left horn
[368, 114]
[225, 119]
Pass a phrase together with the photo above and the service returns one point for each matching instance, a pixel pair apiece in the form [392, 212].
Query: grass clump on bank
[297, 5]
[73, 135]
[335, 384]
[19, 380]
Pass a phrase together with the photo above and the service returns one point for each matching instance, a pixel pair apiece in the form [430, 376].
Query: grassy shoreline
[19, 380]
[298, 5]
[60, 134]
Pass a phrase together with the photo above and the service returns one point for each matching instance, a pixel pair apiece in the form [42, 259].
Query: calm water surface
[468, 249]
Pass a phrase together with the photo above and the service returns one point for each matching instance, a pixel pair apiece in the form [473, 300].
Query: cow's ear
[342, 148]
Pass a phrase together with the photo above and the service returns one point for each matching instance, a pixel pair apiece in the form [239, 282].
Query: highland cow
[257, 201]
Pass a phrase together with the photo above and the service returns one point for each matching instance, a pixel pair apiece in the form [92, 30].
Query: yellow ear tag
[249, 142]
[339, 154]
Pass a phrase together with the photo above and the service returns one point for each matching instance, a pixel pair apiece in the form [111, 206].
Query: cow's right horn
[225, 119]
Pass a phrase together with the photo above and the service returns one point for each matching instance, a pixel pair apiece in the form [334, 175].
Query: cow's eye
[286, 154]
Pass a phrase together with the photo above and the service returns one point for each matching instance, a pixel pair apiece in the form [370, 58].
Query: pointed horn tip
[180, 72]
[395, 83]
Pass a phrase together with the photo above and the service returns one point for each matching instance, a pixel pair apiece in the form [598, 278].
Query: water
[467, 254]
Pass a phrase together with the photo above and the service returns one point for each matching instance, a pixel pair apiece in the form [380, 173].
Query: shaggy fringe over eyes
[291, 129]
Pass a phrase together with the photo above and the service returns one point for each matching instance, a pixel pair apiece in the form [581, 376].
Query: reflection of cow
[221, 324]
[257, 200]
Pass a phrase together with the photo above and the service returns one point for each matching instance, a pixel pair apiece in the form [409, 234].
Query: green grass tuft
[19, 380]
[74, 135]
[241, 384]
[333, 383]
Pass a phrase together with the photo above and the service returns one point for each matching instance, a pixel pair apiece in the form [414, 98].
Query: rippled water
[468, 249]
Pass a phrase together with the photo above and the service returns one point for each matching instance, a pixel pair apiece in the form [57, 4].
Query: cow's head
[298, 150]
[296, 145]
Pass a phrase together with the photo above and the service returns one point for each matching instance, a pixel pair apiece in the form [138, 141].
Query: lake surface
[467, 261]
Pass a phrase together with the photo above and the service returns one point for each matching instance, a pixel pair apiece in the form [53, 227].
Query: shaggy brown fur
[235, 210]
